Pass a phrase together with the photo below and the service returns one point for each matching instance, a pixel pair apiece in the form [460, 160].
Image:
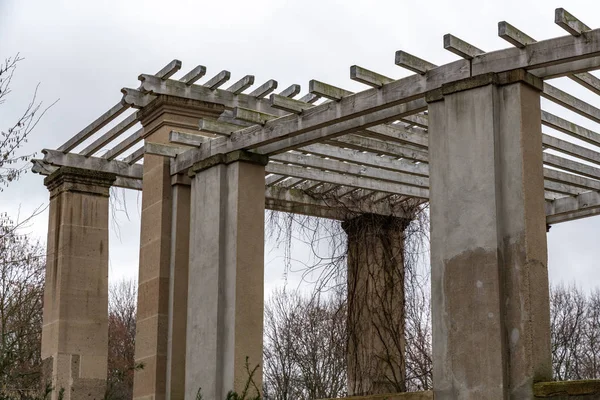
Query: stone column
[226, 273]
[491, 328]
[376, 304]
[180, 255]
[152, 337]
[75, 327]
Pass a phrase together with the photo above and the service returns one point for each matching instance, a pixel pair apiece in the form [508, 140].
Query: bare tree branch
[12, 164]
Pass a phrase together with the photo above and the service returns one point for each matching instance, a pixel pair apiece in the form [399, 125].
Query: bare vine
[375, 259]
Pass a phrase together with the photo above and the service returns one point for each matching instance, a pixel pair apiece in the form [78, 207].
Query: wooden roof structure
[332, 149]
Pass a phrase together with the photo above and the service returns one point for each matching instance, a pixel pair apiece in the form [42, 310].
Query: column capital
[176, 113]
[70, 179]
[180, 179]
[228, 158]
[491, 78]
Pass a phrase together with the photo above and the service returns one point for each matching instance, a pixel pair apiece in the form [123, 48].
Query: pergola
[337, 154]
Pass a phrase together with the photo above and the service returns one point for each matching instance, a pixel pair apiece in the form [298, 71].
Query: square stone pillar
[178, 286]
[226, 274]
[490, 301]
[376, 320]
[162, 116]
[75, 327]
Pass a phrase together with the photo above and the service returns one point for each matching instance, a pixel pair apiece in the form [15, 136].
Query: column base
[62, 374]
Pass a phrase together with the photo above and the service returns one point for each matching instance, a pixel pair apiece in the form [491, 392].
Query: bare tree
[575, 330]
[279, 370]
[22, 266]
[122, 303]
[304, 349]
[568, 309]
[12, 138]
[22, 262]
[417, 311]
[590, 354]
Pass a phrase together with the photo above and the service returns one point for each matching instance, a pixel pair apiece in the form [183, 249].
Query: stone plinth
[75, 327]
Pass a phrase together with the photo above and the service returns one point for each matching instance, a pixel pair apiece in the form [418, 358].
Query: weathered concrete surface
[225, 296]
[580, 390]
[491, 329]
[152, 336]
[180, 241]
[75, 327]
[393, 396]
[375, 304]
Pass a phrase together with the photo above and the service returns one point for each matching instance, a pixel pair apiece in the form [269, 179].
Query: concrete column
[180, 241]
[225, 295]
[491, 328]
[75, 327]
[152, 337]
[376, 304]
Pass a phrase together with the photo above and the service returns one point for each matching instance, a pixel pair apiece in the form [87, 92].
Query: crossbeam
[155, 86]
[351, 169]
[129, 176]
[113, 112]
[347, 180]
[573, 207]
[520, 39]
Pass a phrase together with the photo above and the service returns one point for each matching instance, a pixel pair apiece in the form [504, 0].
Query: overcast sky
[84, 52]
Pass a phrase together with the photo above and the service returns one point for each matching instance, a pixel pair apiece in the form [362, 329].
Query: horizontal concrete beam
[290, 91]
[569, 22]
[116, 110]
[225, 98]
[43, 168]
[129, 176]
[573, 207]
[351, 169]
[392, 149]
[218, 80]
[571, 166]
[328, 91]
[460, 47]
[278, 199]
[265, 89]
[299, 202]
[349, 180]
[111, 135]
[135, 156]
[520, 39]
[570, 128]
[194, 75]
[571, 149]
[241, 85]
[367, 77]
[125, 145]
[119, 168]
